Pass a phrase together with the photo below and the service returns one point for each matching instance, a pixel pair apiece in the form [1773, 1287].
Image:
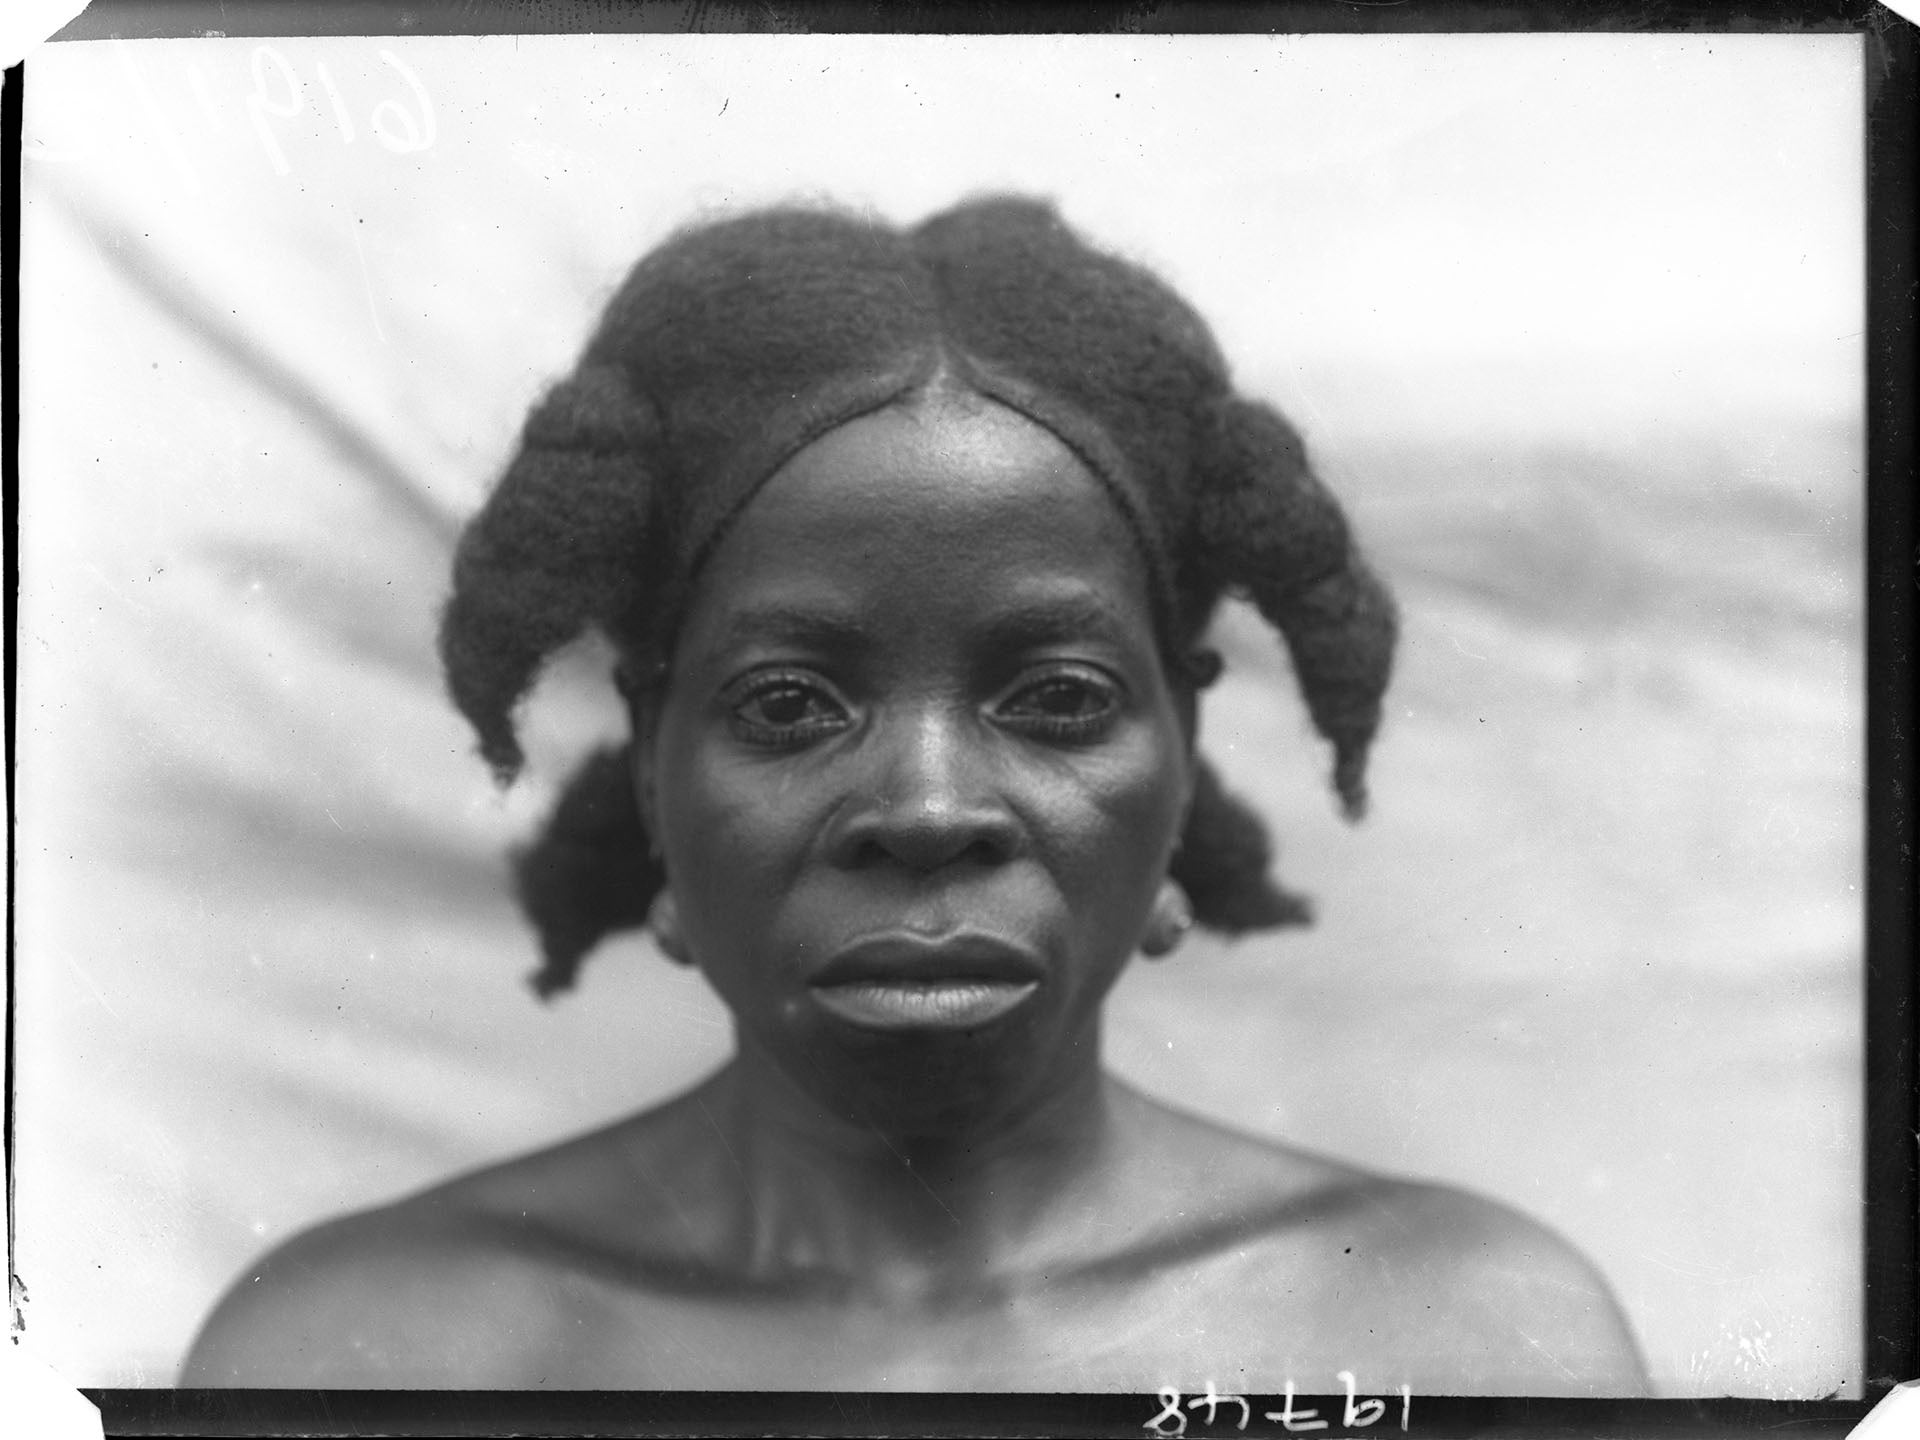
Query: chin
[939, 1086]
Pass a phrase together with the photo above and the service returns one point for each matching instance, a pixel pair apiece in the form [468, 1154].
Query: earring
[1168, 922]
[663, 919]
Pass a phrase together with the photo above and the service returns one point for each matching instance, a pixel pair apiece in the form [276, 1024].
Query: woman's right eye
[784, 710]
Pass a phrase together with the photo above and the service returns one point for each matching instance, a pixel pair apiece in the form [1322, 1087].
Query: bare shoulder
[417, 1294]
[1329, 1267]
[490, 1280]
[1476, 1297]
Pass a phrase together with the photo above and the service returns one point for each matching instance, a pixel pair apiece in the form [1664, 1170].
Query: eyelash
[1082, 728]
[1069, 729]
[773, 735]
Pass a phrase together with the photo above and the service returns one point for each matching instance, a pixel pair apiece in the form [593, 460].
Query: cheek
[1125, 821]
[728, 843]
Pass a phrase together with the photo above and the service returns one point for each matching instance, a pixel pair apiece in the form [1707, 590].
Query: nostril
[924, 837]
[864, 853]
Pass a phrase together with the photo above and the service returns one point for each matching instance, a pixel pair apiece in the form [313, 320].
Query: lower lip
[937, 1005]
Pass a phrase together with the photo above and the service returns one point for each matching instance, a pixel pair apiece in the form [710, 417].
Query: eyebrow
[1070, 614]
[1065, 616]
[805, 626]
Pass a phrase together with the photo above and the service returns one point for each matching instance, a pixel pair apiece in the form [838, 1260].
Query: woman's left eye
[1067, 705]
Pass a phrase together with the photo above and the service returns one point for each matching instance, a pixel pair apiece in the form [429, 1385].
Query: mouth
[910, 982]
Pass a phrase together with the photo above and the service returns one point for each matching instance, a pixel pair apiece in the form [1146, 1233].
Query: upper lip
[924, 959]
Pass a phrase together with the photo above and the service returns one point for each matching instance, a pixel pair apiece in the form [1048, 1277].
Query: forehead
[924, 507]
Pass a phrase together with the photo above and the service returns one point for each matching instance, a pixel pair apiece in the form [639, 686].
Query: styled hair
[734, 344]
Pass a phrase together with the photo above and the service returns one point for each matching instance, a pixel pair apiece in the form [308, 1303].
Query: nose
[928, 797]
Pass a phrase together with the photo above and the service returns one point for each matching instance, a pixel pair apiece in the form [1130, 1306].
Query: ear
[1199, 667]
[1189, 753]
[642, 701]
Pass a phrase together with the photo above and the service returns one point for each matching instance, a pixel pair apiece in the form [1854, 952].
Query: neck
[896, 1210]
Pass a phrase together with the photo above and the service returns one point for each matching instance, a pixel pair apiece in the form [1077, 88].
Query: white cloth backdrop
[1573, 323]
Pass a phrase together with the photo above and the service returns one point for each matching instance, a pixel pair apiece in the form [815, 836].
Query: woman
[908, 543]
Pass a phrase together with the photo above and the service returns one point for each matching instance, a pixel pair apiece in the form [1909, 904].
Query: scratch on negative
[1703, 1274]
[87, 980]
[1470, 654]
[908, 1164]
[118, 592]
[1564, 1370]
[366, 285]
[720, 1135]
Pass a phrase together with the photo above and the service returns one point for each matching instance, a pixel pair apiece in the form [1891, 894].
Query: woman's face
[917, 769]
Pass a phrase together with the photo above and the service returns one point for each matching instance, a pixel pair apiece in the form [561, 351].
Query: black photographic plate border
[1892, 1142]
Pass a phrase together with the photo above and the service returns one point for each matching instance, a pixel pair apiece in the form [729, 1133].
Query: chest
[1242, 1319]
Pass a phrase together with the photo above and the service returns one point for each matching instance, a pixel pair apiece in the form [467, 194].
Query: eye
[782, 711]
[1077, 704]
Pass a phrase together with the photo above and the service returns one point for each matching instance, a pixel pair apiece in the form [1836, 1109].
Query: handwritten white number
[1172, 1421]
[340, 115]
[420, 135]
[1367, 1411]
[1302, 1420]
[259, 106]
[1213, 1400]
[1170, 1411]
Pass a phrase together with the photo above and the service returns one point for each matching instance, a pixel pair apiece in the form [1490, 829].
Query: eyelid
[759, 677]
[1110, 689]
[1038, 673]
[737, 694]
